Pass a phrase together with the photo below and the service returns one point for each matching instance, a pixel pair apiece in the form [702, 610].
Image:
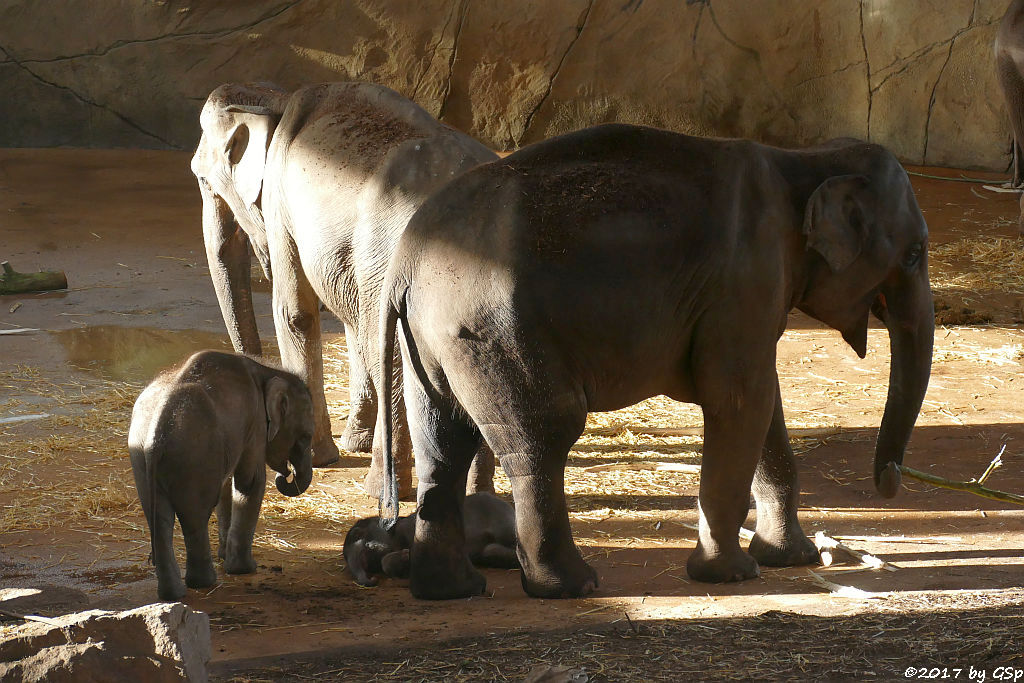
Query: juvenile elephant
[1009, 49]
[593, 270]
[201, 436]
[490, 540]
[321, 182]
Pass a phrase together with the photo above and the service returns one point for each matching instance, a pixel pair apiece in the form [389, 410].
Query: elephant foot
[170, 590]
[325, 452]
[561, 581]
[355, 440]
[396, 564]
[240, 565]
[723, 567]
[793, 551]
[201, 577]
[434, 576]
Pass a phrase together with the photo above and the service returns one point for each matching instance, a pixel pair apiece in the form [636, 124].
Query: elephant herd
[490, 304]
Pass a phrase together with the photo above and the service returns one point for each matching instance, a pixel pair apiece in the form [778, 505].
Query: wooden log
[13, 282]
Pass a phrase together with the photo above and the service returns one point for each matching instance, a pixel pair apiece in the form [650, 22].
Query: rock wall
[915, 75]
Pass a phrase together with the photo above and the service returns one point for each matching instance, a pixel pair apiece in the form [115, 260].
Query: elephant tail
[390, 314]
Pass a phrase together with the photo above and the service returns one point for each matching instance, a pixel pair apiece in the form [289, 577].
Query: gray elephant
[1009, 49]
[490, 532]
[593, 270]
[321, 182]
[201, 437]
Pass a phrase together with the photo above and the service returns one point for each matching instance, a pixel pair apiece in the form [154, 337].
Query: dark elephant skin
[596, 269]
[490, 528]
[321, 182]
[1009, 50]
[201, 437]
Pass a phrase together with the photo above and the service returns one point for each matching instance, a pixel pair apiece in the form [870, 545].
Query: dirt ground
[125, 226]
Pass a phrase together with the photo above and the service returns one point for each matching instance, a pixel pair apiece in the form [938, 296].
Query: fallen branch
[975, 486]
[826, 544]
[28, 617]
[647, 466]
[13, 282]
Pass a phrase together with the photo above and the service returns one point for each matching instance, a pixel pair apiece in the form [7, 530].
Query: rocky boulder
[159, 642]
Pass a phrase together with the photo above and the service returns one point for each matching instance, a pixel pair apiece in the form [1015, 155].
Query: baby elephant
[490, 540]
[201, 437]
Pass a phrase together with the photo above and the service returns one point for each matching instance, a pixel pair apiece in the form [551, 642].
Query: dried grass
[980, 264]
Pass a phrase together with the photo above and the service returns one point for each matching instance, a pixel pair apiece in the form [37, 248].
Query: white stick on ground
[826, 545]
[23, 418]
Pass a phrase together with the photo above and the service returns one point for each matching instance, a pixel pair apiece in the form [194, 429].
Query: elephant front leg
[734, 433]
[246, 499]
[779, 541]
[362, 417]
[551, 562]
[297, 323]
[481, 472]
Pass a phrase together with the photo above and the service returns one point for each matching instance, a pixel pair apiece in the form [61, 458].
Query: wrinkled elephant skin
[249, 417]
[596, 269]
[321, 183]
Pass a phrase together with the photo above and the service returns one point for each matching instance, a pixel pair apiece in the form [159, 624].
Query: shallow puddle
[134, 354]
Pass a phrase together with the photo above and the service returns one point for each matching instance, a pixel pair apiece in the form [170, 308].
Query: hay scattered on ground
[979, 264]
[926, 631]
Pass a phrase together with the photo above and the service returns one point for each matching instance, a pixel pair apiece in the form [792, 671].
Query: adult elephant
[1009, 49]
[593, 270]
[321, 182]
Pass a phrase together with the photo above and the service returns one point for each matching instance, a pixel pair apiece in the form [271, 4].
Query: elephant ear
[247, 148]
[836, 220]
[275, 397]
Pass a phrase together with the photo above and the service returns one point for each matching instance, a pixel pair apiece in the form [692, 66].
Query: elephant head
[238, 123]
[289, 409]
[370, 549]
[867, 250]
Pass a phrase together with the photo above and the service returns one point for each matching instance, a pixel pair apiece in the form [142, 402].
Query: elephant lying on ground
[490, 540]
[201, 436]
[596, 269]
[321, 182]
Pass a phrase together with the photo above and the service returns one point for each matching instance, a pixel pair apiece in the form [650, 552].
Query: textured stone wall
[915, 75]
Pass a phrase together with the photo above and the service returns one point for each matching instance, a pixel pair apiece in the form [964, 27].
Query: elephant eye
[913, 255]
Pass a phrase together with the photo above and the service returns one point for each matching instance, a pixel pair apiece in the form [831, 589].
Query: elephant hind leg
[445, 441]
[531, 433]
[199, 569]
[168, 574]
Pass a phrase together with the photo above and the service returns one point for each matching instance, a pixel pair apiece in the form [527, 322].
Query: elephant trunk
[227, 253]
[911, 331]
[300, 474]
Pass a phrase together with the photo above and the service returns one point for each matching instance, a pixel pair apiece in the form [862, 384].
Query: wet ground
[125, 226]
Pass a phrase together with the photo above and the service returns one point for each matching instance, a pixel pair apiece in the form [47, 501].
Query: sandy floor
[125, 226]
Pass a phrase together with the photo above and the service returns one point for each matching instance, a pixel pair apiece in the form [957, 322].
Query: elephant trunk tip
[293, 484]
[888, 481]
